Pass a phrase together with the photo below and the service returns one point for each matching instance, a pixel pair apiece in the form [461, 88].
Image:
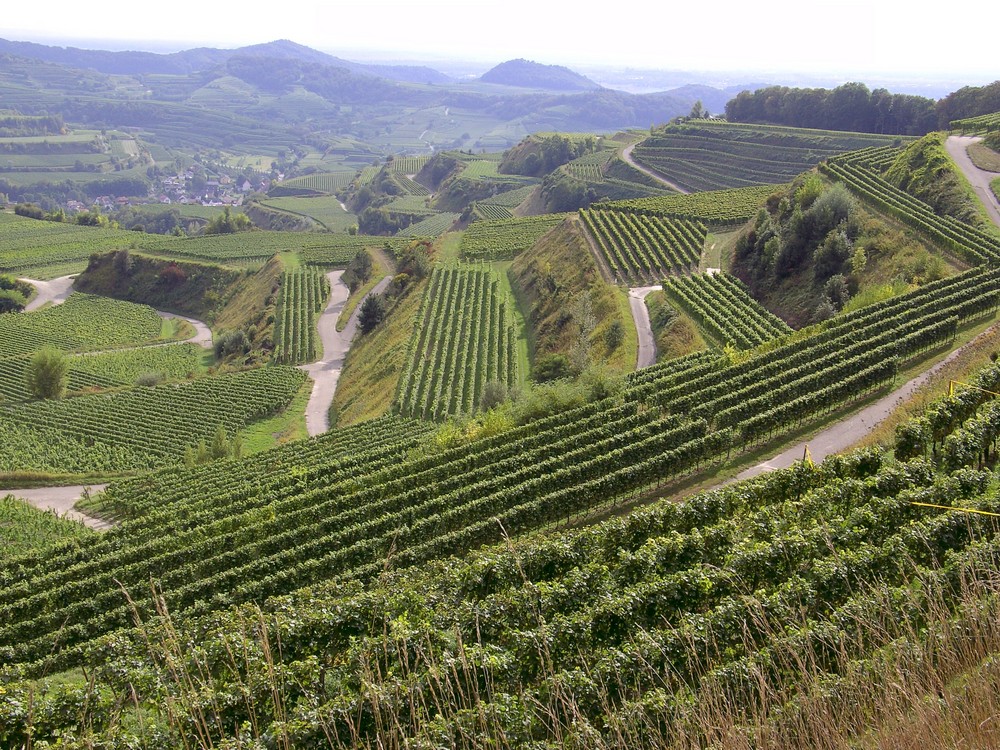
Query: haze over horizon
[850, 39]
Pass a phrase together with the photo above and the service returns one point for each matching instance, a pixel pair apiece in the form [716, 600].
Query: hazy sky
[839, 38]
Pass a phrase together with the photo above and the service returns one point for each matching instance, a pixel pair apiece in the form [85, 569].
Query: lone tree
[47, 374]
[373, 312]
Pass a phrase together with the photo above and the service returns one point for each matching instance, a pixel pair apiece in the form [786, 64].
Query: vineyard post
[953, 383]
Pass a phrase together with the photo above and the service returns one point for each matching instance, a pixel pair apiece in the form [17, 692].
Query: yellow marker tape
[950, 507]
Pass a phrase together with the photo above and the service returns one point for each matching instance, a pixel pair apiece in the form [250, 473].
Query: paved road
[841, 436]
[55, 291]
[326, 372]
[640, 314]
[61, 500]
[202, 333]
[957, 146]
[627, 157]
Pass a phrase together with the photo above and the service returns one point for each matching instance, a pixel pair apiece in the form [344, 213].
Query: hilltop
[531, 75]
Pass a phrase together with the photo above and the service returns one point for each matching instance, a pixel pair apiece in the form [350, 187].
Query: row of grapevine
[505, 238]
[643, 249]
[345, 522]
[716, 207]
[84, 322]
[158, 421]
[301, 299]
[463, 340]
[970, 243]
[723, 307]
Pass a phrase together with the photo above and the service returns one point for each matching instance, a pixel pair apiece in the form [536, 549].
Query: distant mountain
[532, 75]
[201, 58]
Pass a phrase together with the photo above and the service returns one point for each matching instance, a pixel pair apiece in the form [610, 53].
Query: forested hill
[528, 74]
[851, 107]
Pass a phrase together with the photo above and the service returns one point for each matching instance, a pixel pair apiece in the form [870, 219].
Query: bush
[231, 342]
[47, 374]
[373, 312]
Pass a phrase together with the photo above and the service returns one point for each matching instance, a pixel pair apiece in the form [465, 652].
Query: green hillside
[527, 516]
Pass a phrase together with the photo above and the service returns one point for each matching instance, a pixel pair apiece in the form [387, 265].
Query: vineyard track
[326, 372]
[55, 291]
[640, 314]
[58, 291]
[203, 334]
[627, 158]
[846, 432]
[61, 500]
[957, 146]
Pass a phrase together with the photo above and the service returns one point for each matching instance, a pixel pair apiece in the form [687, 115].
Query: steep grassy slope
[816, 246]
[200, 290]
[569, 307]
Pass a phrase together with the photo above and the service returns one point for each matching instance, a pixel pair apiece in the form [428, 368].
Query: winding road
[640, 314]
[62, 499]
[958, 149]
[326, 372]
[627, 158]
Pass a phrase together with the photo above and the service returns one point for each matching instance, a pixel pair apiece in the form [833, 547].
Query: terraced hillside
[708, 155]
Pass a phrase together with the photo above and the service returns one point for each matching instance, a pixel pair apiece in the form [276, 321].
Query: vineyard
[516, 554]
[331, 526]
[46, 249]
[982, 124]
[141, 427]
[714, 208]
[301, 299]
[83, 322]
[432, 226]
[104, 370]
[969, 243]
[463, 340]
[327, 184]
[642, 249]
[722, 306]
[25, 529]
[503, 239]
[707, 155]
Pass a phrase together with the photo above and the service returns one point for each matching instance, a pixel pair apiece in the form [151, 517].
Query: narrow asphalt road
[845, 433]
[61, 500]
[202, 333]
[958, 149]
[55, 291]
[640, 314]
[326, 372]
[627, 157]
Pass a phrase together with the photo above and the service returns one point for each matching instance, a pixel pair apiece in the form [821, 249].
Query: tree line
[850, 107]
